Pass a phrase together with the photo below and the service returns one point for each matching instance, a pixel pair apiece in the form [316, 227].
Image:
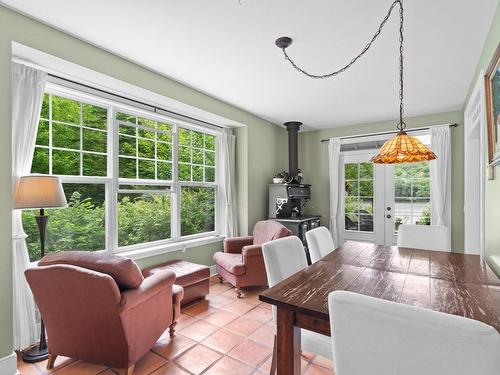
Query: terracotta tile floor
[221, 335]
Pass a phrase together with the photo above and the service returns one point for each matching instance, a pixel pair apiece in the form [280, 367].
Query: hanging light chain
[401, 126]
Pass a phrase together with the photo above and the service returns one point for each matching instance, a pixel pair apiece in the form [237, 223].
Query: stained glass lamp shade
[403, 148]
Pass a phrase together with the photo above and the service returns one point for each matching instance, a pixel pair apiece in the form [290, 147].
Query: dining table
[453, 283]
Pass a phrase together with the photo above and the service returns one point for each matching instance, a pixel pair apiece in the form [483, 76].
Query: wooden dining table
[453, 283]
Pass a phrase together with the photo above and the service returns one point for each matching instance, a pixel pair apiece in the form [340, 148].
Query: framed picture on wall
[492, 86]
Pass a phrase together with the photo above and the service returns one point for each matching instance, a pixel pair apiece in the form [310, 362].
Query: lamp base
[35, 354]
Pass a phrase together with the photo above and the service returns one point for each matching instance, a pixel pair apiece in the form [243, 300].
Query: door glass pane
[412, 194]
[358, 197]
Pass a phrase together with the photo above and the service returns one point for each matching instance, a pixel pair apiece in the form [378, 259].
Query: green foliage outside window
[75, 134]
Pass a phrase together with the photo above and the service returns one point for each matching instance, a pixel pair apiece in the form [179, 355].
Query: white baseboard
[213, 270]
[8, 365]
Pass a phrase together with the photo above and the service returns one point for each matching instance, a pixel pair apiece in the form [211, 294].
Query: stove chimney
[293, 146]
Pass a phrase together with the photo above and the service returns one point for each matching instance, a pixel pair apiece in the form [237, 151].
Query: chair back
[283, 258]
[268, 230]
[80, 309]
[378, 337]
[426, 237]
[319, 242]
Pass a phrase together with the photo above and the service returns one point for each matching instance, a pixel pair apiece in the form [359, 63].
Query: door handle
[388, 216]
[388, 208]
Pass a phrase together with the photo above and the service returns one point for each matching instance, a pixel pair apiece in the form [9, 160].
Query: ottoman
[194, 278]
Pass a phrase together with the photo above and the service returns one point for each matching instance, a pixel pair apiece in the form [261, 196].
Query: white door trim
[474, 116]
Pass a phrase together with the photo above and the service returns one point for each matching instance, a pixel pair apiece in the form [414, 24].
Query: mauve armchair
[242, 263]
[98, 307]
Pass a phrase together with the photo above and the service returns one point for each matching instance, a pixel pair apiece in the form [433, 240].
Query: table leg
[289, 347]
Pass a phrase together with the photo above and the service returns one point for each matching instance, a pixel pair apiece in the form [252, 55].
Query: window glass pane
[412, 191]
[94, 117]
[197, 173]
[143, 218]
[94, 140]
[80, 226]
[164, 171]
[42, 136]
[197, 156]
[210, 158]
[129, 130]
[127, 168]
[146, 148]
[209, 174]
[358, 197]
[44, 114]
[40, 161]
[366, 171]
[197, 210]
[94, 165]
[146, 134]
[209, 142]
[65, 110]
[164, 151]
[146, 169]
[184, 172]
[197, 139]
[127, 145]
[66, 136]
[184, 137]
[65, 162]
[184, 154]
[146, 122]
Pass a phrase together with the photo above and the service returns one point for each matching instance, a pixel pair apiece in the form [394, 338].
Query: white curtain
[228, 154]
[440, 175]
[28, 86]
[335, 167]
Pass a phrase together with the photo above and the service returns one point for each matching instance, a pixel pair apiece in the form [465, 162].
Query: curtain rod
[155, 109]
[387, 132]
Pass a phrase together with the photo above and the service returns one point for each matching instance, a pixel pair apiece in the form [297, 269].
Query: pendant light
[402, 148]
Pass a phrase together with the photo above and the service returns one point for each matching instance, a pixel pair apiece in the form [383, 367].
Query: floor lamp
[39, 192]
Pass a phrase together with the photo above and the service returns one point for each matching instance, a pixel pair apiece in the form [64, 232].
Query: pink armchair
[242, 263]
[98, 307]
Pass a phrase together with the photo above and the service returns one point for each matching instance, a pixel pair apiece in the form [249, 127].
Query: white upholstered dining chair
[283, 258]
[319, 242]
[378, 337]
[426, 237]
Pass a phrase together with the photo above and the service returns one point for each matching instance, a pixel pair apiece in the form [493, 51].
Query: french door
[378, 198]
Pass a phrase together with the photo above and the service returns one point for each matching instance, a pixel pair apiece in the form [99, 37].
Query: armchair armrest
[236, 244]
[251, 251]
[151, 286]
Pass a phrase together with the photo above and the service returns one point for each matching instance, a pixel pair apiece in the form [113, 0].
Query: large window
[131, 178]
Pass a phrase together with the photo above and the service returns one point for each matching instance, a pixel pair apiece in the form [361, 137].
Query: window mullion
[112, 188]
[175, 221]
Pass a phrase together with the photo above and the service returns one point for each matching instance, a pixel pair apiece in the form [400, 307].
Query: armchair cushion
[230, 262]
[235, 244]
[268, 230]
[124, 271]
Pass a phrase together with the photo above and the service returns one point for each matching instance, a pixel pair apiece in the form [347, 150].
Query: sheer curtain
[440, 175]
[335, 168]
[27, 95]
[228, 154]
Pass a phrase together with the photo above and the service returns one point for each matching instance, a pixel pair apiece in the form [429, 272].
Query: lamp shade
[39, 191]
[403, 148]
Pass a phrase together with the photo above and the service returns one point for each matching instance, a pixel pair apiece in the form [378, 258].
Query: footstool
[194, 278]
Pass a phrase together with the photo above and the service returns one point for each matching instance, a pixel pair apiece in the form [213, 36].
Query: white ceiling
[225, 48]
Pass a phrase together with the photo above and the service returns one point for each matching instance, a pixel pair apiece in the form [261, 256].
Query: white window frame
[112, 180]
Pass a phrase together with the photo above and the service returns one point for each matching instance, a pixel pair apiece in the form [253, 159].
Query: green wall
[266, 157]
[314, 163]
[492, 187]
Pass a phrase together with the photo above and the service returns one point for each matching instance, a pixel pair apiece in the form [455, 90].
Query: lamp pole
[40, 352]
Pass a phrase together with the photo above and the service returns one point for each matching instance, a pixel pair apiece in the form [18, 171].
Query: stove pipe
[293, 146]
